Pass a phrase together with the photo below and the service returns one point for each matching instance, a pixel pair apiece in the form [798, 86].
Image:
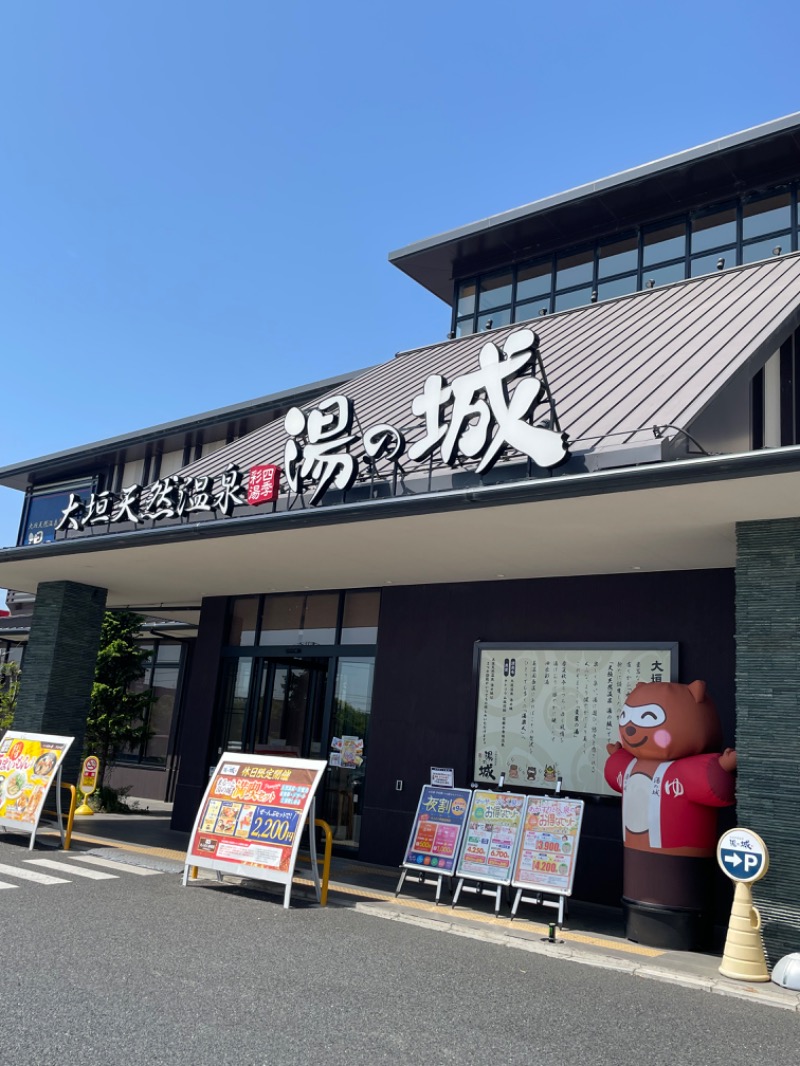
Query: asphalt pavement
[591, 936]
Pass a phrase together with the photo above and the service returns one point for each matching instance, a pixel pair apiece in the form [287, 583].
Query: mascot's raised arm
[673, 778]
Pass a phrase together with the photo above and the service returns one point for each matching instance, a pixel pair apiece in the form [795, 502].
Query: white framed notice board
[547, 711]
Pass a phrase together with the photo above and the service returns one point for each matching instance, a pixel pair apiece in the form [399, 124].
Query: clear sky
[198, 198]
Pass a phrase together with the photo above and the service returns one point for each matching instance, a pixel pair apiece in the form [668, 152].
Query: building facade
[593, 478]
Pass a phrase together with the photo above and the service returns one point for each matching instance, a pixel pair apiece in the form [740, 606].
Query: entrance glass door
[314, 708]
[289, 708]
[347, 751]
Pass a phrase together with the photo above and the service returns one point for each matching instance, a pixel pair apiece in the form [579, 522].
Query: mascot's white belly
[636, 802]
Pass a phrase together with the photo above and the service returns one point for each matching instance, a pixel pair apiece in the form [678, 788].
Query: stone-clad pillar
[768, 716]
[58, 669]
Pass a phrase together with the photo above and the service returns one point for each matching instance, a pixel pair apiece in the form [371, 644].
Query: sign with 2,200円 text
[253, 814]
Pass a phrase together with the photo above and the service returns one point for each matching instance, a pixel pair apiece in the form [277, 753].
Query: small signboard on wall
[252, 817]
[546, 712]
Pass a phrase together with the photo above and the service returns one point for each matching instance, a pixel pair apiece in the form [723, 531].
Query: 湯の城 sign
[475, 419]
[545, 713]
[29, 763]
[252, 816]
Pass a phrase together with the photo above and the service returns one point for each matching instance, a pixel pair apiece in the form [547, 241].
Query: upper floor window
[700, 242]
[713, 230]
[666, 242]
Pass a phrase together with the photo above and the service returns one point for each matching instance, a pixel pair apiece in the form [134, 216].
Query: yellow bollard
[88, 782]
[743, 958]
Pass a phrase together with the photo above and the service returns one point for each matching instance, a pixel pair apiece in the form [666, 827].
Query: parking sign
[742, 855]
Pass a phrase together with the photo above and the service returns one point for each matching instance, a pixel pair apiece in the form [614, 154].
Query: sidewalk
[591, 935]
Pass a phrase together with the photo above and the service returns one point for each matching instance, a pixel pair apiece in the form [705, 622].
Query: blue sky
[198, 199]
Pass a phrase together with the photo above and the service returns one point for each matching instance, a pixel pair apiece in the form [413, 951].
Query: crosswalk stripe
[32, 875]
[110, 864]
[65, 867]
[5, 884]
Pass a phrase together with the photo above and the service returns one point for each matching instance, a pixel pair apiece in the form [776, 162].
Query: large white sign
[252, 817]
[546, 713]
[474, 419]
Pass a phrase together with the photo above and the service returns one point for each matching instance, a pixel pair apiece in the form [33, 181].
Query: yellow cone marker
[88, 782]
[743, 856]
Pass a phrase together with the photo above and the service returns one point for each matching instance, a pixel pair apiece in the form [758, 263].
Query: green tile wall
[768, 717]
[59, 665]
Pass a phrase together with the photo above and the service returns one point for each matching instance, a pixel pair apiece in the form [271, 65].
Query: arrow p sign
[742, 855]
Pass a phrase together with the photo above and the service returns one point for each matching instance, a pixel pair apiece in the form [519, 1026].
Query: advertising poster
[548, 713]
[29, 763]
[437, 830]
[548, 848]
[491, 836]
[252, 815]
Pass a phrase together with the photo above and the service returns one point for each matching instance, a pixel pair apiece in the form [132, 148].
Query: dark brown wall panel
[424, 700]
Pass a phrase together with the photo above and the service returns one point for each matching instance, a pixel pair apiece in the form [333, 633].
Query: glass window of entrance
[360, 619]
[299, 618]
[243, 621]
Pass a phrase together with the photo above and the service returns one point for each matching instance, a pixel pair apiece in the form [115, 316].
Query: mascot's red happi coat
[669, 770]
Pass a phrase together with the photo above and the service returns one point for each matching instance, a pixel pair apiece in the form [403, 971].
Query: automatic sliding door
[289, 712]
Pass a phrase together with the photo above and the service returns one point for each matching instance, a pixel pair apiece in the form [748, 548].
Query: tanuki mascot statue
[673, 778]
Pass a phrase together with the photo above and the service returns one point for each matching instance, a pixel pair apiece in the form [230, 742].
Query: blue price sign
[742, 855]
[273, 825]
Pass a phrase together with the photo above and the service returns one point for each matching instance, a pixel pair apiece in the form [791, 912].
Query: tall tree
[9, 687]
[117, 721]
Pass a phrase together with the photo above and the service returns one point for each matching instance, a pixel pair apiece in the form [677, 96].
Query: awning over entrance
[672, 516]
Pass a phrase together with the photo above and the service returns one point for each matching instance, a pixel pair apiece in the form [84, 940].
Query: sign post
[436, 835]
[252, 817]
[743, 856]
[490, 842]
[548, 851]
[29, 764]
[88, 782]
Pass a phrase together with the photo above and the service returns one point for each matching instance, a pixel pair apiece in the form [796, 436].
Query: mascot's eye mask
[648, 716]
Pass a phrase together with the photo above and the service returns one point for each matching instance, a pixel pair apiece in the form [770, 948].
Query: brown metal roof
[615, 369]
